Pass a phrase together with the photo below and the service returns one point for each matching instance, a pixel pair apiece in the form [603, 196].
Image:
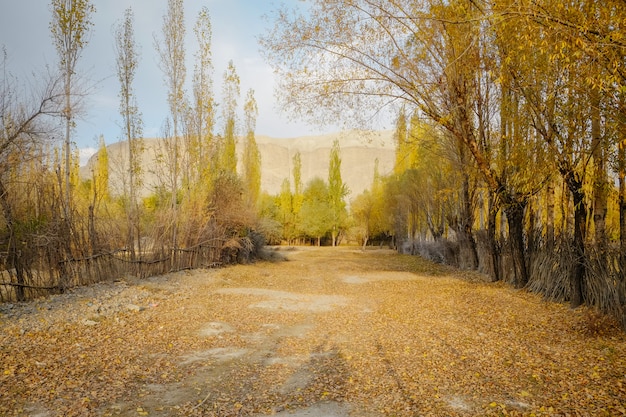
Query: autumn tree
[24, 126]
[228, 152]
[285, 211]
[362, 208]
[401, 137]
[337, 191]
[251, 153]
[99, 193]
[558, 81]
[368, 209]
[100, 174]
[297, 187]
[70, 27]
[358, 67]
[316, 212]
[127, 57]
[426, 54]
[203, 147]
[171, 50]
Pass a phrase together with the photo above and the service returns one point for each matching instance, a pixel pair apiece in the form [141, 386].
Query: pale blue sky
[24, 31]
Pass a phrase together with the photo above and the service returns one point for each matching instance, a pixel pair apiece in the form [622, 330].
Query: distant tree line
[314, 213]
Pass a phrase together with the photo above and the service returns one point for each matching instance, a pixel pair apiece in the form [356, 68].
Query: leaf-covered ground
[332, 332]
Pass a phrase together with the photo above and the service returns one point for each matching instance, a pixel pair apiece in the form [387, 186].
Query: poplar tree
[132, 124]
[337, 191]
[230, 96]
[251, 155]
[204, 102]
[101, 173]
[401, 138]
[317, 214]
[285, 210]
[297, 185]
[171, 50]
[70, 27]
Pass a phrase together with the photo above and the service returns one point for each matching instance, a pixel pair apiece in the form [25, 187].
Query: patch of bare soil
[331, 332]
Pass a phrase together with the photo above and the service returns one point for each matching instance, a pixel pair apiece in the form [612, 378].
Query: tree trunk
[580, 233]
[467, 221]
[491, 237]
[600, 191]
[515, 218]
[621, 172]
[550, 217]
[622, 204]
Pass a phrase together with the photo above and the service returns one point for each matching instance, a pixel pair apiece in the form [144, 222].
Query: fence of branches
[549, 269]
[42, 271]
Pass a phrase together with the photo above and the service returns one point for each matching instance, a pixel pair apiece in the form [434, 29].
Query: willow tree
[127, 59]
[591, 32]
[251, 153]
[555, 67]
[70, 27]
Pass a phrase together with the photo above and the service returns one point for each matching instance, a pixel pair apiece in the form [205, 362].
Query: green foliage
[337, 191]
[251, 154]
[285, 214]
[228, 158]
[101, 173]
[316, 213]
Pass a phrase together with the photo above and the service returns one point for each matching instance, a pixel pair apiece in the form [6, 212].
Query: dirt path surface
[331, 333]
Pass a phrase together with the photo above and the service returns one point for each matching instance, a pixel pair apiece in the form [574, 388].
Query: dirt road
[330, 332]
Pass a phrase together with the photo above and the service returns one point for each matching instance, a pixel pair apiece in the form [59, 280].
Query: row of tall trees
[59, 230]
[196, 166]
[526, 98]
[313, 211]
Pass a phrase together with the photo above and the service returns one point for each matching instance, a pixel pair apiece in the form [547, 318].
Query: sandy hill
[359, 151]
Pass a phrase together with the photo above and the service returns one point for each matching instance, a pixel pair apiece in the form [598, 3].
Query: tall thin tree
[337, 191]
[127, 57]
[204, 102]
[251, 155]
[70, 27]
[172, 52]
[230, 97]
